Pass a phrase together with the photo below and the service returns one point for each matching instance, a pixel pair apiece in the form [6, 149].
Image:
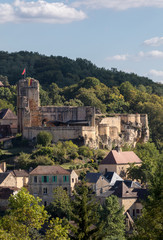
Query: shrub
[44, 138]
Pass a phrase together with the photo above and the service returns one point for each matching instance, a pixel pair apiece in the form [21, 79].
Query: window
[35, 179]
[72, 179]
[65, 178]
[45, 191]
[133, 212]
[54, 178]
[137, 211]
[45, 178]
[45, 203]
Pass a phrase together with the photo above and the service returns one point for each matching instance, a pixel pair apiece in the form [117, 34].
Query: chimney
[3, 166]
[118, 148]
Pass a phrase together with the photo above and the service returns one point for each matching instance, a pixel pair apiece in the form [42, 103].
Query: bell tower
[28, 103]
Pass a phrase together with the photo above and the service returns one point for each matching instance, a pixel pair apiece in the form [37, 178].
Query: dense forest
[64, 71]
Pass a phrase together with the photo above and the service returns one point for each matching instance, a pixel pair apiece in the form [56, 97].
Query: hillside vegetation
[80, 83]
[64, 71]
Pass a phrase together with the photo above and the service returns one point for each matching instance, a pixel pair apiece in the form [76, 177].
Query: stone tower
[28, 103]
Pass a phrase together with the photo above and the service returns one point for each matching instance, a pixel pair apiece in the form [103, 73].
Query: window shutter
[42, 178]
[63, 178]
[67, 178]
[47, 178]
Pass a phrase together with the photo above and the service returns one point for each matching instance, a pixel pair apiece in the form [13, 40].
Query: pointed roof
[20, 173]
[49, 170]
[3, 176]
[92, 177]
[115, 157]
[112, 177]
[7, 114]
[122, 191]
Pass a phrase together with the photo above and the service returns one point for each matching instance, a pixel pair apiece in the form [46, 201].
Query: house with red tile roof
[118, 161]
[44, 179]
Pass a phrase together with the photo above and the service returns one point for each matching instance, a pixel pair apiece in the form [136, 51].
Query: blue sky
[122, 34]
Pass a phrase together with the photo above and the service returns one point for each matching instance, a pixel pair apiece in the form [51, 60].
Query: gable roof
[20, 173]
[132, 184]
[112, 177]
[7, 114]
[115, 157]
[122, 191]
[92, 177]
[49, 170]
[3, 176]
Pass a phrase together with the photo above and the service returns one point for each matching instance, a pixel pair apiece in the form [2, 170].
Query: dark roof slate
[122, 191]
[3, 176]
[92, 177]
[7, 114]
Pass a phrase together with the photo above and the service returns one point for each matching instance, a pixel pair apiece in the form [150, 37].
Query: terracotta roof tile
[115, 157]
[49, 170]
[20, 173]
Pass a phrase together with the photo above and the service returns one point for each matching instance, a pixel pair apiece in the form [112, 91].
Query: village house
[44, 179]
[97, 182]
[5, 193]
[118, 161]
[8, 118]
[21, 177]
[7, 179]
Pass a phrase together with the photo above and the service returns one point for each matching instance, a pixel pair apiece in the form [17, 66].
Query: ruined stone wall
[68, 113]
[95, 129]
[63, 133]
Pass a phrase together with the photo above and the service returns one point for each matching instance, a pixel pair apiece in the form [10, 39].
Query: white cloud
[156, 73]
[119, 4]
[156, 41]
[39, 11]
[154, 54]
[123, 57]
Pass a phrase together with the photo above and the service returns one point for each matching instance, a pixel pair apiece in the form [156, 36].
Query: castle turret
[27, 103]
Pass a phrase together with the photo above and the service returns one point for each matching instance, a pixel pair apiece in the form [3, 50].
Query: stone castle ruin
[82, 125]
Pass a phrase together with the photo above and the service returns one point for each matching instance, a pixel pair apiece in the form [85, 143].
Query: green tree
[56, 231]
[60, 206]
[150, 224]
[27, 210]
[85, 216]
[44, 138]
[111, 214]
[23, 160]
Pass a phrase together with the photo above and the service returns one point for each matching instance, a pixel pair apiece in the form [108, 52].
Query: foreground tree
[111, 214]
[150, 224]
[60, 206]
[56, 231]
[85, 216]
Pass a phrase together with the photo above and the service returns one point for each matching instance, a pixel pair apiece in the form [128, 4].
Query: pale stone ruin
[80, 124]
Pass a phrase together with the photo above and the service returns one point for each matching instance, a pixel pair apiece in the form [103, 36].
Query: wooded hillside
[64, 71]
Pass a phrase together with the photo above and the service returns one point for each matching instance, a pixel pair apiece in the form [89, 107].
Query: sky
[122, 34]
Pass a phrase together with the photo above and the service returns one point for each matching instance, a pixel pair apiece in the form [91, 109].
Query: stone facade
[44, 179]
[80, 124]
